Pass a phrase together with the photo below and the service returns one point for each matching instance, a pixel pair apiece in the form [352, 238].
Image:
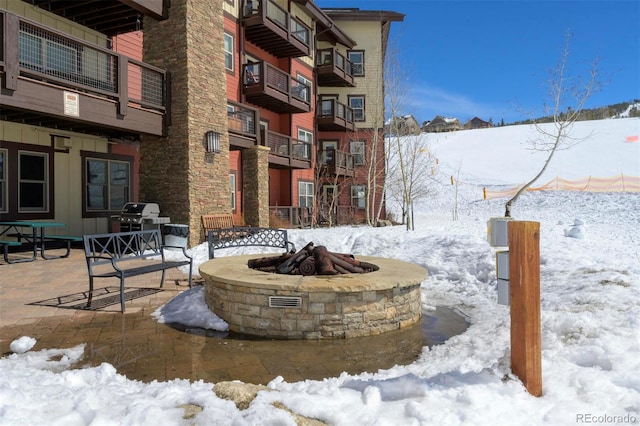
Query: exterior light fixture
[212, 140]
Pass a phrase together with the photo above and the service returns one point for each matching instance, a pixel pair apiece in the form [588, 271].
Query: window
[329, 149]
[357, 62]
[357, 150]
[3, 181]
[357, 196]
[329, 194]
[305, 194]
[107, 184]
[232, 187]
[33, 182]
[228, 51]
[356, 103]
[302, 149]
[43, 54]
[303, 90]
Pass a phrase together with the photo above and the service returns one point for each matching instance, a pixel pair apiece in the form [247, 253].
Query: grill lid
[143, 210]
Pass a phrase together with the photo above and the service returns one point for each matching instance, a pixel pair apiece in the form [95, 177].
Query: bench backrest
[217, 221]
[122, 246]
[248, 236]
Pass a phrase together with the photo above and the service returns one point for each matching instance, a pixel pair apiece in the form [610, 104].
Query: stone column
[255, 185]
[175, 170]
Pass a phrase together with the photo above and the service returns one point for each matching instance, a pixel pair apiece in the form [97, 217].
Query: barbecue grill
[140, 217]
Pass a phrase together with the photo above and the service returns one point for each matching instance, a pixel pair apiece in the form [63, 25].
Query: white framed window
[228, 51]
[44, 54]
[303, 90]
[4, 185]
[357, 62]
[358, 196]
[356, 103]
[357, 151]
[33, 182]
[303, 148]
[107, 184]
[305, 194]
[232, 187]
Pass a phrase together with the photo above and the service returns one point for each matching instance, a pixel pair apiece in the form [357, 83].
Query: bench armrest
[112, 259]
[184, 250]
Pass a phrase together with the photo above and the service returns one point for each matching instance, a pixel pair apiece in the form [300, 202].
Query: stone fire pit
[284, 306]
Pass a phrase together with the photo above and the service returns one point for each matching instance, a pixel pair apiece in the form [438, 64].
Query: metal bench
[5, 244]
[248, 236]
[114, 255]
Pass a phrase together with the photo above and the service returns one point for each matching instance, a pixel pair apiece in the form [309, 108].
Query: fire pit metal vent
[285, 302]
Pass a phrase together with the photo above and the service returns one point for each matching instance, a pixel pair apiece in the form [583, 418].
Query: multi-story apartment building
[260, 108]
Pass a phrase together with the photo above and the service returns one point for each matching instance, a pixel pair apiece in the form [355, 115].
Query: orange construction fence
[619, 183]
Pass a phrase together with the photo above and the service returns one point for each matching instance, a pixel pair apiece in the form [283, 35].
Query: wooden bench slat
[216, 221]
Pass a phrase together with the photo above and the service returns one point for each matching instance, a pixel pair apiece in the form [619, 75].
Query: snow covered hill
[504, 155]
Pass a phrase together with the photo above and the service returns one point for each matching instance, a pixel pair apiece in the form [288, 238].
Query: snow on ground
[590, 290]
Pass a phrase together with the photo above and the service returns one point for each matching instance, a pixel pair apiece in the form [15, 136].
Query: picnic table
[34, 233]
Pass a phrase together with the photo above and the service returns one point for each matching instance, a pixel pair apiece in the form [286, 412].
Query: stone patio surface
[143, 349]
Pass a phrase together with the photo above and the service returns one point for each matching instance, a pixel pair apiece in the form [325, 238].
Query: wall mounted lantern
[212, 140]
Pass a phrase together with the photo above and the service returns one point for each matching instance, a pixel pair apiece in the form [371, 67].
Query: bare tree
[330, 173]
[409, 158]
[414, 178]
[564, 90]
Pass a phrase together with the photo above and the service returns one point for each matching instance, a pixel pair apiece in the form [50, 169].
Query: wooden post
[524, 295]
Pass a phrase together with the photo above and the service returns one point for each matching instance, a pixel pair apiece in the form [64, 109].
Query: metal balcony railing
[334, 115]
[286, 146]
[293, 216]
[334, 69]
[274, 29]
[242, 119]
[268, 86]
[337, 162]
[61, 59]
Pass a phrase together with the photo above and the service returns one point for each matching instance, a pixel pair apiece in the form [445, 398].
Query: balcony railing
[334, 70]
[336, 163]
[57, 57]
[290, 216]
[269, 87]
[334, 116]
[273, 29]
[42, 54]
[286, 146]
[242, 124]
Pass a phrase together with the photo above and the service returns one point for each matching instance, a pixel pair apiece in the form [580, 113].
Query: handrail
[286, 146]
[54, 56]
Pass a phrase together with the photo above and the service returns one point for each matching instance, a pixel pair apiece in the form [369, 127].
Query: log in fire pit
[313, 294]
[312, 260]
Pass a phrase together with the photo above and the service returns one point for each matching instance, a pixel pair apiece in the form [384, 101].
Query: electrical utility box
[497, 231]
[502, 272]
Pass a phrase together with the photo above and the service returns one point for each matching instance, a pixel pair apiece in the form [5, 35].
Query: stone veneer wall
[176, 171]
[323, 315]
[255, 185]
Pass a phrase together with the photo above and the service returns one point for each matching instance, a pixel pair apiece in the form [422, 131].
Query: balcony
[243, 132]
[287, 152]
[336, 163]
[52, 79]
[334, 116]
[333, 69]
[273, 29]
[269, 87]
